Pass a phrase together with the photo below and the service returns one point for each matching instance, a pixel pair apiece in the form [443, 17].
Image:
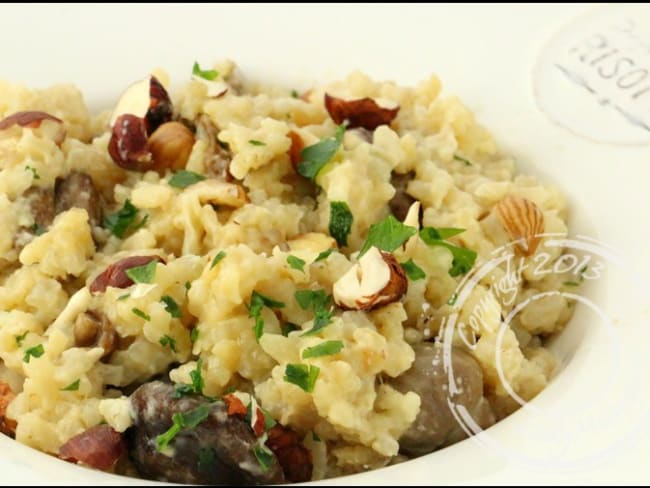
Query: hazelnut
[170, 146]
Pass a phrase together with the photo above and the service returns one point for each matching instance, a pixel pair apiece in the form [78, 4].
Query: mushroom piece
[94, 329]
[401, 202]
[115, 275]
[376, 280]
[429, 377]
[364, 112]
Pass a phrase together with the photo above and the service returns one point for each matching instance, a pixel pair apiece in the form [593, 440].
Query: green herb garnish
[340, 222]
[35, 174]
[452, 299]
[319, 301]
[413, 271]
[220, 255]
[387, 235]
[463, 258]
[21, 338]
[571, 283]
[258, 302]
[302, 376]
[189, 420]
[314, 157]
[123, 297]
[326, 348]
[140, 313]
[194, 335]
[171, 306]
[264, 457]
[123, 220]
[324, 255]
[462, 159]
[197, 378]
[168, 341]
[207, 74]
[74, 386]
[184, 178]
[33, 352]
[287, 328]
[143, 274]
[296, 263]
[207, 459]
[253, 142]
[294, 93]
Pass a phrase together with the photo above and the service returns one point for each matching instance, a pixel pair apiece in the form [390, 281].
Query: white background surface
[483, 53]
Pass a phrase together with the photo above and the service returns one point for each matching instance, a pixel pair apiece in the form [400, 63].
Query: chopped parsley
[302, 376]
[253, 142]
[123, 297]
[35, 174]
[168, 341]
[413, 271]
[452, 299]
[171, 307]
[123, 220]
[314, 157]
[326, 348]
[140, 313]
[143, 274]
[74, 386]
[20, 338]
[340, 222]
[206, 74]
[37, 229]
[184, 178]
[194, 335]
[462, 159]
[197, 378]
[33, 352]
[387, 235]
[571, 283]
[188, 285]
[287, 328]
[264, 456]
[324, 255]
[220, 255]
[463, 258]
[294, 93]
[258, 302]
[319, 301]
[189, 420]
[296, 263]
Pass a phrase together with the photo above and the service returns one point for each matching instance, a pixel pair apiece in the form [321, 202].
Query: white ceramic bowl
[591, 423]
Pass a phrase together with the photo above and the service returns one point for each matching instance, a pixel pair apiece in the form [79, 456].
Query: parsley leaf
[464, 258]
[35, 174]
[302, 376]
[314, 157]
[143, 274]
[124, 219]
[140, 313]
[183, 390]
[326, 348]
[207, 74]
[168, 341]
[220, 255]
[194, 335]
[184, 178]
[571, 283]
[340, 222]
[429, 234]
[258, 302]
[190, 419]
[387, 235]
[413, 271]
[197, 378]
[123, 297]
[264, 457]
[33, 352]
[74, 386]
[287, 328]
[171, 307]
[452, 299]
[296, 263]
[462, 159]
[324, 255]
[37, 229]
[294, 93]
[253, 142]
[319, 301]
[21, 338]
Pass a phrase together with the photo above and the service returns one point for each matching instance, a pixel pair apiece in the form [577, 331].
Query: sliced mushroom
[216, 192]
[94, 329]
[218, 158]
[364, 112]
[7, 425]
[401, 201]
[78, 190]
[376, 280]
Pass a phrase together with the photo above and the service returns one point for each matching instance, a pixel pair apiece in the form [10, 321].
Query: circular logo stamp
[593, 77]
[565, 272]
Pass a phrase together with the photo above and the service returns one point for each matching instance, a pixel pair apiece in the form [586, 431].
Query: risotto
[241, 283]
